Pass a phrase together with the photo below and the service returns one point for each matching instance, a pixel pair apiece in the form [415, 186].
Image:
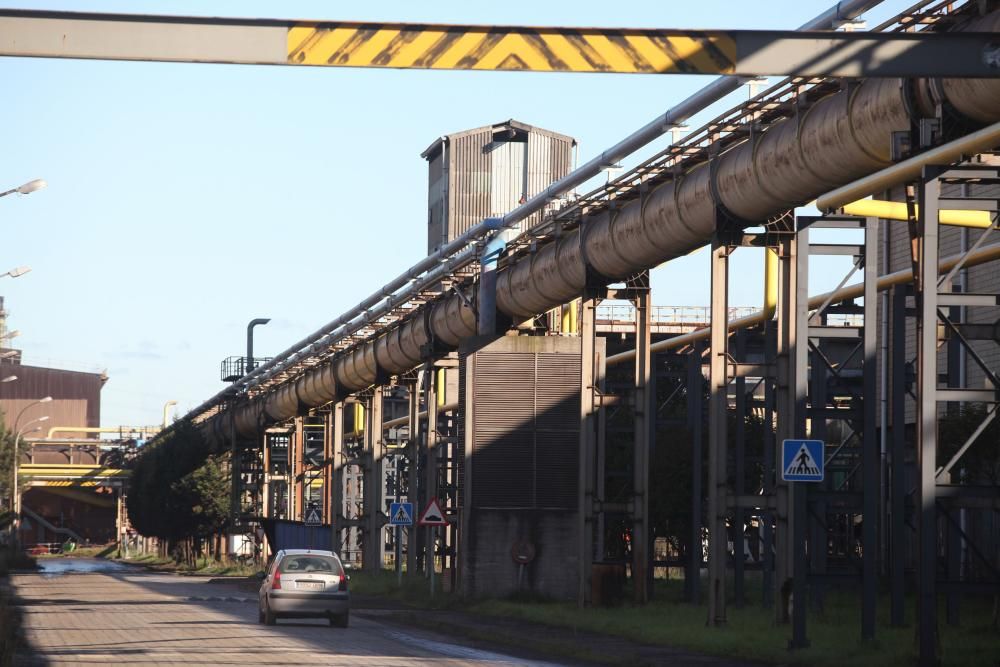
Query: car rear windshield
[311, 563]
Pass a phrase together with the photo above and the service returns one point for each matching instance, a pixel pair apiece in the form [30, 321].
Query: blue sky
[185, 200]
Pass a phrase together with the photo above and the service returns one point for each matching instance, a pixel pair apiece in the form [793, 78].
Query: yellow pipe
[359, 418]
[893, 210]
[569, 316]
[440, 384]
[770, 282]
[981, 256]
[910, 169]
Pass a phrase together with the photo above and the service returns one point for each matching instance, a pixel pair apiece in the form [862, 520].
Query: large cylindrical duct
[839, 138]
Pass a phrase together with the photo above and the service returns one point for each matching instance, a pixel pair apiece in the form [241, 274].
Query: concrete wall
[488, 570]
[520, 433]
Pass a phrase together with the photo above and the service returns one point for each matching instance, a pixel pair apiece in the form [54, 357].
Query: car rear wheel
[340, 620]
[269, 617]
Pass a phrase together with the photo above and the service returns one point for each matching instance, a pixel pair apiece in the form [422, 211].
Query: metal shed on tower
[487, 171]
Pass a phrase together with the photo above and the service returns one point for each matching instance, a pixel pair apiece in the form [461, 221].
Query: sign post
[801, 461]
[432, 516]
[400, 514]
[313, 517]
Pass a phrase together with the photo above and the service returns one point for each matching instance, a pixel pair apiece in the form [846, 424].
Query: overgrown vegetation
[180, 494]
[7, 459]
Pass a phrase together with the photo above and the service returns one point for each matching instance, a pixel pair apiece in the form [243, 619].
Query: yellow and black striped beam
[49, 34]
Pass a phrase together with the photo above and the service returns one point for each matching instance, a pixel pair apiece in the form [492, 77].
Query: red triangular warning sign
[432, 515]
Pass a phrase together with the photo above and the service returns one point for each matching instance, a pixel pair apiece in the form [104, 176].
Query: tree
[177, 492]
[7, 460]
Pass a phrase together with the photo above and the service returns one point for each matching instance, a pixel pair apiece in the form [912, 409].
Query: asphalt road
[79, 611]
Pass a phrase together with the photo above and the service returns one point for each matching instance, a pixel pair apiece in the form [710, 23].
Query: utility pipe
[400, 421]
[981, 256]
[908, 170]
[103, 429]
[368, 310]
[893, 210]
[770, 282]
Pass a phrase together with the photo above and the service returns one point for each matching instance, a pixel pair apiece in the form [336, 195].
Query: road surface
[79, 611]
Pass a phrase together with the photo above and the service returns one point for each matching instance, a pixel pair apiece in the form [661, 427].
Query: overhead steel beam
[53, 34]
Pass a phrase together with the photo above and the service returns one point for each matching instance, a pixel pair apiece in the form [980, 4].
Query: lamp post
[166, 411]
[15, 499]
[253, 323]
[27, 188]
[16, 272]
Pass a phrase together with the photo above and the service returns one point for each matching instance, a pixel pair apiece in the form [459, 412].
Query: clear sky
[185, 200]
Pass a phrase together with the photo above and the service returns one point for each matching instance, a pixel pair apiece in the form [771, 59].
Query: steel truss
[941, 492]
[593, 502]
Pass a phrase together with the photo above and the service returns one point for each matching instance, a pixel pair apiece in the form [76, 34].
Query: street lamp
[166, 411]
[27, 188]
[15, 500]
[253, 323]
[16, 273]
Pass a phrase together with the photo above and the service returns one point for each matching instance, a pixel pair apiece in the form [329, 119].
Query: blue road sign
[313, 517]
[802, 460]
[401, 514]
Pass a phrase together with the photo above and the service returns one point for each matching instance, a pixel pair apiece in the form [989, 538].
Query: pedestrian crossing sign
[802, 460]
[313, 517]
[401, 514]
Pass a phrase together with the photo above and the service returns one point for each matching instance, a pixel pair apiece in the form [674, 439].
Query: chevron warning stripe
[415, 46]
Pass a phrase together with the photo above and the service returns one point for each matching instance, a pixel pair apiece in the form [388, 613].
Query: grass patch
[415, 591]
[202, 567]
[752, 634]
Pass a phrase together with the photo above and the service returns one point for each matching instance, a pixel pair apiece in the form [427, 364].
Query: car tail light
[276, 583]
[343, 583]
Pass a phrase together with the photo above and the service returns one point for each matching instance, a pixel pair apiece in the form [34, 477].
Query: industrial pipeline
[836, 140]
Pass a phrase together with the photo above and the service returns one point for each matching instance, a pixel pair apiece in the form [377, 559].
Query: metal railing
[668, 315]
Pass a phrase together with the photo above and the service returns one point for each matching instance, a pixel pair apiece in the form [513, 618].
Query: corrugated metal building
[486, 171]
[76, 396]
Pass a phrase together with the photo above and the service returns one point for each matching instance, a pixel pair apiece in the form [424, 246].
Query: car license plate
[310, 585]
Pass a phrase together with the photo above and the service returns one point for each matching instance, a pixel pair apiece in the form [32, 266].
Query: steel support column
[695, 411]
[791, 419]
[739, 473]
[718, 405]
[412, 481]
[789, 393]
[769, 466]
[871, 463]
[374, 447]
[297, 488]
[927, 418]
[431, 465]
[587, 446]
[644, 423]
[898, 531]
[335, 421]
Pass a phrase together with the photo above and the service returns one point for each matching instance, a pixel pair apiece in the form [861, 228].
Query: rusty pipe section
[840, 138]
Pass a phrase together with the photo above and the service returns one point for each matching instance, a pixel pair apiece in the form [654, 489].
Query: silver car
[304, 583]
